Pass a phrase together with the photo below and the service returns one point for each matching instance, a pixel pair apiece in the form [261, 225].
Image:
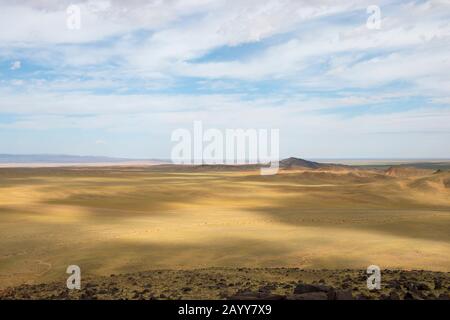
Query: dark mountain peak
[297, 162]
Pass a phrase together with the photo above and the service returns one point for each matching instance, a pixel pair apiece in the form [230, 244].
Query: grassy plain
[131, 219]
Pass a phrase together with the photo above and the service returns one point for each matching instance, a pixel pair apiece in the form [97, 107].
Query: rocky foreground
[245, 284]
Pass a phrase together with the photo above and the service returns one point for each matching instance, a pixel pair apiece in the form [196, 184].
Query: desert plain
[130, 219]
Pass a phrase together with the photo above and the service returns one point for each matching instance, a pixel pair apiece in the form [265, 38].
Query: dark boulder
[307, 288]
[438, 283]
[444, 296]
[309, 296]
[394, 296]
[251, 295]
[422, 287]
[411, 296]
[340, 295]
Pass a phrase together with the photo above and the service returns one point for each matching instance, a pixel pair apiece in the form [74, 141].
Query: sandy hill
[436, 182]
[401, 171]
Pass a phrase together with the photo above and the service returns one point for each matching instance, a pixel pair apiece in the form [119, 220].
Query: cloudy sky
[136, 70]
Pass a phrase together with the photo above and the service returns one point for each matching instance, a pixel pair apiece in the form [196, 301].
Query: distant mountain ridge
[62, 158]
[297, 162]
[7, 160]
[293, 162]
[50, 158]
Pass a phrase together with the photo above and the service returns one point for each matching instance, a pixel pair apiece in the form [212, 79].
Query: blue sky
[135, 71]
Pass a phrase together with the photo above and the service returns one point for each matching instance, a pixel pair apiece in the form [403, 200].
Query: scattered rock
[267, 288]
[394, 296]
[431, 296]
[250, 284]
[307, 288]
[251, 295]
[270, 296]
[422, 287]
[137, 296]
[444, 296]
[437, 283]
[410, 296]
[340, 295]
[395, 284]
[346, 285]
[309, 296]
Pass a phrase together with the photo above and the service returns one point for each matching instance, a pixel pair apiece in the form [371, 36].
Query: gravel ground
[245, 283]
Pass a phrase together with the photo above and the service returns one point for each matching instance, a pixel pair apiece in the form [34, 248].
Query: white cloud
[180, 31]
[320, 53]
[16, 65]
